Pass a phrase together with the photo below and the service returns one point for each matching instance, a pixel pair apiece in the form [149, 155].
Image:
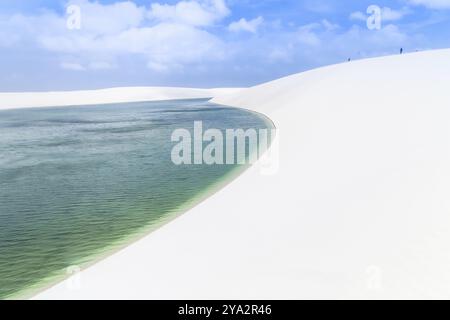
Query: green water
[79, 182]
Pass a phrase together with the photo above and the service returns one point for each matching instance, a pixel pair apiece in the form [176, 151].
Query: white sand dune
[360, 207]
[13, 100]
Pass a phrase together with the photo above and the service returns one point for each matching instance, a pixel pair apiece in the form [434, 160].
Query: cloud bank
[182, 42]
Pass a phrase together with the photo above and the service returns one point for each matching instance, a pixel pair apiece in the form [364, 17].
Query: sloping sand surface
[359, 208]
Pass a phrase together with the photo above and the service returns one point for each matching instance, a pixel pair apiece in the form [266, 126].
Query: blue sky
[201, 43]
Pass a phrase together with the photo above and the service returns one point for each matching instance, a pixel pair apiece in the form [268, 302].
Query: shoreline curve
[358, 209]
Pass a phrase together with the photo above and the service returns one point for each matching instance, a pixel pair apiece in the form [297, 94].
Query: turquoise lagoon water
[77, 183]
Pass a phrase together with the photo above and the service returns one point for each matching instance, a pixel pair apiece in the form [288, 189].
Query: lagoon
[79, 183]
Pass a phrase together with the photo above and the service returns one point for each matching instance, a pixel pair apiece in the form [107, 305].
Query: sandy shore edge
[16, 100]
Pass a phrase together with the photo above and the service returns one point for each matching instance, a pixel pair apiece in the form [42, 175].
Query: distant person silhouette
[401, 50]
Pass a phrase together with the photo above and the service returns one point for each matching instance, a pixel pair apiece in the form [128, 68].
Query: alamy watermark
[73, 21]
[374, 278]
[234, 147]
[375, 17]
[73, 282]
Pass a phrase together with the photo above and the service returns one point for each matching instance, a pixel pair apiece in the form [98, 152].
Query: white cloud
[165, 44]
[195, 13]
[358, 15]
[167, 37]
[245, 25]
[101, 65]
[18, 28]
[102, 19]
[169, 44]
[318, 6]
[432, 4]
[306, 35]
[387, 14]
[72, 66]
[7, 39]
[329, 26]
[310, 34]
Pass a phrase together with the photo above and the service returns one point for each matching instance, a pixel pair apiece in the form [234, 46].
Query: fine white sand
[13, 100]
[360, 207]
